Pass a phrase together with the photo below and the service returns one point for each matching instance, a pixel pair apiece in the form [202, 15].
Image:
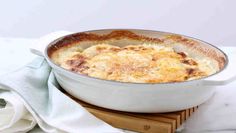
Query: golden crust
[134, 63]
[150, 60]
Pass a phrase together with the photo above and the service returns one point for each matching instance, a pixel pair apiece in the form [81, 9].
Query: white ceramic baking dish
[141, 97]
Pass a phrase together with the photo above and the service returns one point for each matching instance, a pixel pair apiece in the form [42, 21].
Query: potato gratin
[144, 63]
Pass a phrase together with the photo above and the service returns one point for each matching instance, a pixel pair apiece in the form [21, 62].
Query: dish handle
[226, 76]
[43, 41]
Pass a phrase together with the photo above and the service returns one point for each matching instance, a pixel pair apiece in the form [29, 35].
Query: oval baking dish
[137, 97]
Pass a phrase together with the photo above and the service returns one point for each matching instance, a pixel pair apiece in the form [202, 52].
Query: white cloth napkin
[31, 96]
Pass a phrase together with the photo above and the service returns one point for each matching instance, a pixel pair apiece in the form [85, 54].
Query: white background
[210, 20]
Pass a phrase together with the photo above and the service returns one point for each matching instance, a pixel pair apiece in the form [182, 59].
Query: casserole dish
[139, 97]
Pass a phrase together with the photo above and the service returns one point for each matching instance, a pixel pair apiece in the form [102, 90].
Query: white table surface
[212, 116]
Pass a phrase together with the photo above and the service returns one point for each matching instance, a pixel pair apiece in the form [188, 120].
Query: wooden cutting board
[139, 122]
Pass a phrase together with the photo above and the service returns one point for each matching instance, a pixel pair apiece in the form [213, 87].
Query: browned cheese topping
[143, 63]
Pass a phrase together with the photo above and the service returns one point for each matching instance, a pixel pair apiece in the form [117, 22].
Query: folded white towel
[31, 96]
[14, 116]
[35, 89]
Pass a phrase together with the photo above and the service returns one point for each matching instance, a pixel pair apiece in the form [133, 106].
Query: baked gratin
[126, 57]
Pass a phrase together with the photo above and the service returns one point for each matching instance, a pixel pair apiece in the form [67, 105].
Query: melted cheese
[146, 63]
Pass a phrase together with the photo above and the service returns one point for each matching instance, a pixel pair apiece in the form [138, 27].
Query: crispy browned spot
[181, 39]
[100, 48]
[115, 49]
[194, 72]
[190, 71]
[183, 55]
[189, 62]
[77, 63]
[136, 48]
[74, 63]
